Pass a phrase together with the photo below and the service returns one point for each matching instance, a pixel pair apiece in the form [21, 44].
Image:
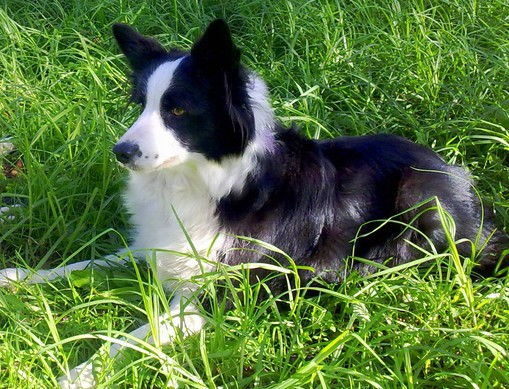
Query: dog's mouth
[135, 166]
[170, 162]
[129, 166]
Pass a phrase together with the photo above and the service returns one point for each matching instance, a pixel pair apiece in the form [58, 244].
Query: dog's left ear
[215, 48]
[139, 50]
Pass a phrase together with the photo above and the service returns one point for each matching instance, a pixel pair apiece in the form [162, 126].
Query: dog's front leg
[12, 275]
[182, 317]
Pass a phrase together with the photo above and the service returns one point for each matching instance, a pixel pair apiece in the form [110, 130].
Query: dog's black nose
[126, 152]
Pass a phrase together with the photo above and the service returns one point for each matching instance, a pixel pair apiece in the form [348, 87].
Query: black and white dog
[207, 155]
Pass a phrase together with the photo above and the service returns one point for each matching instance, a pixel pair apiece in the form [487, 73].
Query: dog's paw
[10, 275]
[81, 377]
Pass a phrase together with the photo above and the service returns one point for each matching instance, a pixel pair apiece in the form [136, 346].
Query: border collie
[208, 163]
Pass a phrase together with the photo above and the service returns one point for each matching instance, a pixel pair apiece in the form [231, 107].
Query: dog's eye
[178, 111]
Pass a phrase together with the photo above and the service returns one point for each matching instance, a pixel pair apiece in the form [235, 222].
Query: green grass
[436, 72]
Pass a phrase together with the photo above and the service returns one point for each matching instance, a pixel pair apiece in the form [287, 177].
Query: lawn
[435, 72]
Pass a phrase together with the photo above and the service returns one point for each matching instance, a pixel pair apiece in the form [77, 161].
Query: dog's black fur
[332, 196]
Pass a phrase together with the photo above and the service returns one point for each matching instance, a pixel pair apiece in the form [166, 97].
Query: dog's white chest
[173, 218]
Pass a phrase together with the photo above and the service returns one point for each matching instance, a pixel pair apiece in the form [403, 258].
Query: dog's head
[193, 103]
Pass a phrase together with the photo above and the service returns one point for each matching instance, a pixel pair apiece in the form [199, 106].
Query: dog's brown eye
[177, 111]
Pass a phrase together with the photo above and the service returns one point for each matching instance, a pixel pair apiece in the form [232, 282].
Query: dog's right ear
[139, 50]
[215, 49]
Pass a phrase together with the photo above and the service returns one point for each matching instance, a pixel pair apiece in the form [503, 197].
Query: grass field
[436, 72]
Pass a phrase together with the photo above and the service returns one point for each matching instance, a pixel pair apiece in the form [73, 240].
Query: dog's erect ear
[215, 48]
[139, 50]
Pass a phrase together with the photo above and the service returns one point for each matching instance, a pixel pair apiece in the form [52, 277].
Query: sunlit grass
[436, 73]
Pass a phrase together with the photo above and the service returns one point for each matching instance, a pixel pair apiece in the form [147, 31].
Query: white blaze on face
[158, 145]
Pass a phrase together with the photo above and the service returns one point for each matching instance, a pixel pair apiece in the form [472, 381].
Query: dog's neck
[230, 174]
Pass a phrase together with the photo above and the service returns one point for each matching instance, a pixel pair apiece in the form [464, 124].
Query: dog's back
[324, 201]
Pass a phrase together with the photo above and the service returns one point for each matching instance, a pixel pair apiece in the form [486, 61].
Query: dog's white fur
[169, 188]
